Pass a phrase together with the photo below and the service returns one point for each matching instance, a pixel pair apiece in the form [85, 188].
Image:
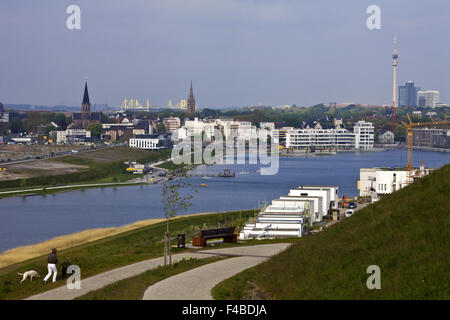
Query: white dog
[30, 274]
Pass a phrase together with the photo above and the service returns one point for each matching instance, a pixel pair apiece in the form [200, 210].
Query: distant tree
[49, 128]
[16, 125]
[161, 127]
[61, 120]
[95, 129]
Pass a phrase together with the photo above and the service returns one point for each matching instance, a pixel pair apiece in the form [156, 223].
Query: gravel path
[257, 253]
[196, 284]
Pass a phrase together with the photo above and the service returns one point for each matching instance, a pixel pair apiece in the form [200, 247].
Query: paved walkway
[106, 278]
[196, 284]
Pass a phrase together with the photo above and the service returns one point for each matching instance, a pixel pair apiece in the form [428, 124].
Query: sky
[236, 52]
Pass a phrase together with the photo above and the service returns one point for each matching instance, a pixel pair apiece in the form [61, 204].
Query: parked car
[352, 205]
[349, 212]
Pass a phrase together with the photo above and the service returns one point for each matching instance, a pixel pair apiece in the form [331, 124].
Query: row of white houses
[362, 137]
[287, 215]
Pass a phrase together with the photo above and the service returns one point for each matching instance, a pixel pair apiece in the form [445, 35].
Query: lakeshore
[52, 215]
[110, 253]
[24, 253]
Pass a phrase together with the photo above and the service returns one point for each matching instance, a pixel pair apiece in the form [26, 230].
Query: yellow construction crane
[409, 138]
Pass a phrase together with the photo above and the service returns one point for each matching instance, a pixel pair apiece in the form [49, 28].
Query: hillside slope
[407, 234]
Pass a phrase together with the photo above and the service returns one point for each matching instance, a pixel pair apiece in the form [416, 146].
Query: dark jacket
[52, 258]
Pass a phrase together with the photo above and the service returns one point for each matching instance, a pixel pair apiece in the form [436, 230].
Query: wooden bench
[227, 234]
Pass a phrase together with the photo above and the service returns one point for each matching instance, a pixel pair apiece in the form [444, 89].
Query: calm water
[28, 220]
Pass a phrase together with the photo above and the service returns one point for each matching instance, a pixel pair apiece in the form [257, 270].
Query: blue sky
[236, 52]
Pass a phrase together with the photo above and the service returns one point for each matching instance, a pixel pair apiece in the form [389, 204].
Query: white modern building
[230, 129]
[375, 181]
[193, 127]
[364, 135]
[171, 124]
[427, 98]
[318, 137]
[333, 193]
[62, 136]
[289, 215]
[386, 137]
[145, 143]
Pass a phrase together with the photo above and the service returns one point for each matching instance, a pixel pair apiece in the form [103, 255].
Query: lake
[28, 220]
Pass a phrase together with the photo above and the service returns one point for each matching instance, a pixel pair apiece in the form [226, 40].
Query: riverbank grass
[112, 252]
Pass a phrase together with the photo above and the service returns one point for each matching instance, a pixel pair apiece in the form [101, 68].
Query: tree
[161, 127]
[95, 129]
[61, 120]
[173, 202]
[16, 125]
[49, 128]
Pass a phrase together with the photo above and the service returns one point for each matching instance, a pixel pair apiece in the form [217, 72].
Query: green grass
[407, 234]
[96, 171]
[112, 252]
[133, 288]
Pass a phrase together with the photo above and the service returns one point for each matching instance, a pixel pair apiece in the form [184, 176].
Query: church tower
[86, 105]
[191, 102]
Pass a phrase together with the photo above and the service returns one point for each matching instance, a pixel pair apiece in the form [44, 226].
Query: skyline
[236, 53]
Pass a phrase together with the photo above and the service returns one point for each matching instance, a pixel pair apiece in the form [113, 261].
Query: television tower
[394, 83]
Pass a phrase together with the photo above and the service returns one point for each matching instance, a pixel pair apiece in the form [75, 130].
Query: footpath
[243, 257]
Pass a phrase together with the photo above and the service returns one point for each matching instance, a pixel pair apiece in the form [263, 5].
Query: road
[251, 255]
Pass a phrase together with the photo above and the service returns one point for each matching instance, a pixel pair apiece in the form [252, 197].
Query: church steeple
[191, 102]
[86, 105]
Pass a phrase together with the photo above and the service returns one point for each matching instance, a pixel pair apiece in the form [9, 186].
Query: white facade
[364, 135]
[193, 127]
[279, 135]
[145, 143]
[324, 194]
[287, 216]
[374, 181]
[381, 180]
[179, 134]
[306, 205]
[333, 193]
[386, 137]
[61, 136]
[270, 126]
[319, 138]
[229, 128]
[172, 124]
[275, 226]
[316, 213]
[431, 98]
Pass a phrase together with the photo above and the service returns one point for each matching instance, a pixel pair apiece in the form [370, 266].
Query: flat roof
[385, 169]
[306, 197]
[312, 186]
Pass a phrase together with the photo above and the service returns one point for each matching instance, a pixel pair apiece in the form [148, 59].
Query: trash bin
[181, 240]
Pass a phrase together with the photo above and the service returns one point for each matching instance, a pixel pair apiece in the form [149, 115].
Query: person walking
[51, 266]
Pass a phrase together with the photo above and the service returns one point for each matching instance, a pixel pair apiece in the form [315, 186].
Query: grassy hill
[407, 234]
